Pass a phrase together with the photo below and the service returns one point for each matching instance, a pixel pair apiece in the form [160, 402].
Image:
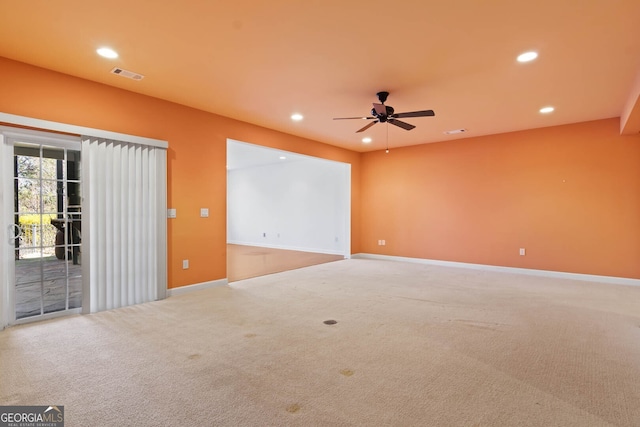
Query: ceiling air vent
[128, 74]
[455, 131]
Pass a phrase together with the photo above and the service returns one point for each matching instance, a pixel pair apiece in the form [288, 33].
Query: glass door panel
[47, 213]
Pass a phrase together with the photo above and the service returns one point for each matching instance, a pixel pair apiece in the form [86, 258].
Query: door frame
[8, 136]
[19, 123]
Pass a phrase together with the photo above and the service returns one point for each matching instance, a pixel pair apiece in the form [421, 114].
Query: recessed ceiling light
[527, 56]
[283, 158]
[107, 53]
[297, 117]
[546, 110]
[366, 140]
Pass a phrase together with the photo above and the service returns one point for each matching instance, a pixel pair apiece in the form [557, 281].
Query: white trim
[196, 287]
[7, 264]
[531, 272]
[80, 130]
[18, 135]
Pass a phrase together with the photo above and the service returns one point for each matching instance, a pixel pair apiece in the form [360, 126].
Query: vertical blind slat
[116, 218]
[108, 225]
[124, 229]
[100, 252]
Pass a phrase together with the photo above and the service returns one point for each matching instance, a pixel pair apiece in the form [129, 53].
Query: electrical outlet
[171, 213]
[522, 252]
[204, 212]
[185, 264]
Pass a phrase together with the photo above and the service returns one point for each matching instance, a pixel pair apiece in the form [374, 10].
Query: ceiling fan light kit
[381, 113]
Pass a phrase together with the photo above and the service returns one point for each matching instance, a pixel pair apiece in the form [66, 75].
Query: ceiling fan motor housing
[381, 117]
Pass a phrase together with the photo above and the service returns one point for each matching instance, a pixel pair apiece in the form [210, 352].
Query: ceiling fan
[383, 113]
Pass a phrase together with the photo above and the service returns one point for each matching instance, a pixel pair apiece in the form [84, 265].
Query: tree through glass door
[47, 223]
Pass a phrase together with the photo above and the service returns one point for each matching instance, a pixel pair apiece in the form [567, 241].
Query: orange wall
[196, 156]
[569, 195]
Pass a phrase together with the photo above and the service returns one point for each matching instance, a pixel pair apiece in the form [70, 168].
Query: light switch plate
[204, 212]
[171, 213]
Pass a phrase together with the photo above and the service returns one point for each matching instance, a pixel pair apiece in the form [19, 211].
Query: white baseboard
[531, 272]
[196, 287]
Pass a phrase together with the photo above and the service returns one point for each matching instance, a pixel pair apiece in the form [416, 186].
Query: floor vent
[128, 74]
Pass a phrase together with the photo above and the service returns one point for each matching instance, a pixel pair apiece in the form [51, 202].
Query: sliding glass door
[45, 231]
[82, 220]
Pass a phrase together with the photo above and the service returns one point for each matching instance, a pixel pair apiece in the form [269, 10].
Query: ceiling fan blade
[380, 109]
[401, 124]
[423, 113]
[351, 118]
[367, 126]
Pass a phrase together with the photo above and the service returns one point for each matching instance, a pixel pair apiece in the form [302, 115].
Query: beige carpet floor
[414, 345]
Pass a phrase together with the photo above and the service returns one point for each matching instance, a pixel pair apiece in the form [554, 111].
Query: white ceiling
[262, 61]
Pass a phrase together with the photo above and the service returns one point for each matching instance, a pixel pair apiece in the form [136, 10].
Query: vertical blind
[124, 215]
